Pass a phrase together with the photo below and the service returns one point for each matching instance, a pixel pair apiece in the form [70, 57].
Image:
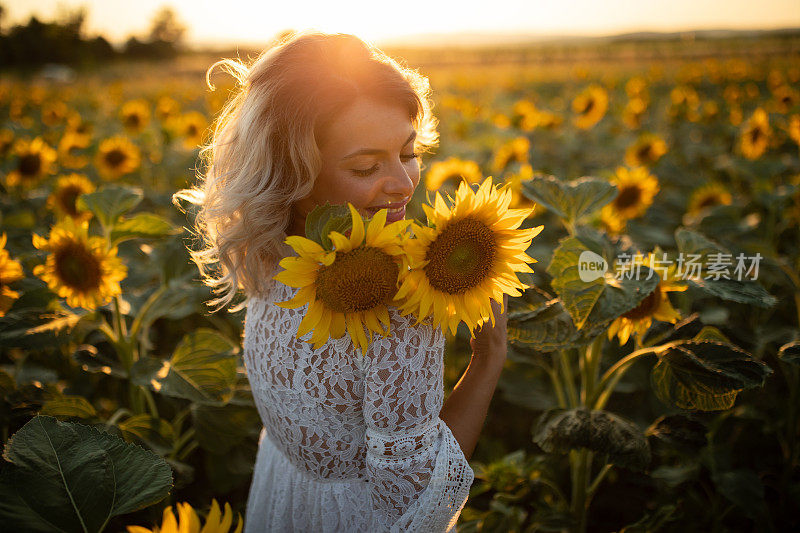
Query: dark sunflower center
[461, 256]
[628, 196]
[589, 106]
[133, 120]
[645, 153]
[191, 130]
[708, 201]
[755, 135]
[647, 307]
[67, 199]
[30, 164]
[115, 157]
[358, 280]
[77, 267]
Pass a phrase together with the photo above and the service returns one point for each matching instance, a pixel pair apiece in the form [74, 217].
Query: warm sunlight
[241, 22]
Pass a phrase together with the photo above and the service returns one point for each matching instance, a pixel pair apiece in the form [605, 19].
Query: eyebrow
[375, 151]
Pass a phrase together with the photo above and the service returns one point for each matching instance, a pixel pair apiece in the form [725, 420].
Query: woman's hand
[490, 343]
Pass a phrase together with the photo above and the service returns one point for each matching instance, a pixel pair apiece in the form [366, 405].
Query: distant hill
[470, 39]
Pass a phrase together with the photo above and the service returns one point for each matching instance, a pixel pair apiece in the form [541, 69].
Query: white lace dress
[349, 444]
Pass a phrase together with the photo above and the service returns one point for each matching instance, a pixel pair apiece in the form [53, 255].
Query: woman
[349, 443]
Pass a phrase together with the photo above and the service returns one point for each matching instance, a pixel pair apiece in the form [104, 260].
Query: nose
[399, 181]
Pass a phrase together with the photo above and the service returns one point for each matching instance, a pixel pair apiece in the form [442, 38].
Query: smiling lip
[396, 210]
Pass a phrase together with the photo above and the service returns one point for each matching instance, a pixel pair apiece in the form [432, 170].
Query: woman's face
[368, 160]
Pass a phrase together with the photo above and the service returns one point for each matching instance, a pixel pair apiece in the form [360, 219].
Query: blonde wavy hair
[264, 155]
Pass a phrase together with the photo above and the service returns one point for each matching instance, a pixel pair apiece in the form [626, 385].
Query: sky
[215, 22]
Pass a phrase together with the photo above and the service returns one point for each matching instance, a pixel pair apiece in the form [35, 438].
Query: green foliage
[790, 353]
[561, 430]
[68, 406]
[75, 477]
[110, 203]
[327, 218]
[572, 200]
[599, 301]
[142, 225]
[704, 375]
[202, 369]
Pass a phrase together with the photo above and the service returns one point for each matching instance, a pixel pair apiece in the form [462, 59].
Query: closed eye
[371, 170]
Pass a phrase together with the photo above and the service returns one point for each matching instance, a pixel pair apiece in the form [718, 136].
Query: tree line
[63, 40]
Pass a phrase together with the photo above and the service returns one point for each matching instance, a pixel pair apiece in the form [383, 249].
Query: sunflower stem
[580, 462]
[119, 319]
[590, 368]
[137, 323]
[117, 415]
[106, 329]
[612, 376]
[569, 378]
[151, 402]
[562, 401]
[597, 480]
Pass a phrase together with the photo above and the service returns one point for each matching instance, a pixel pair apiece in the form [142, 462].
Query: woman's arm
[465, 409]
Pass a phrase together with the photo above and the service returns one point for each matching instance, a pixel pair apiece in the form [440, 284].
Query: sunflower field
[653, 378]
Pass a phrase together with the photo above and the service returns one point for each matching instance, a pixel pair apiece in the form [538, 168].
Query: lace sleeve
[418, 474]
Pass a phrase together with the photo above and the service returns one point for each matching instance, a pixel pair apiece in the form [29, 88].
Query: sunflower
[646, 151]
[633, 112]
[66, 192]
[116, 157]
[135, 115]
[80, 268]
[53, 113]
[786, 99]
[167, 108]
[656, 305]
[636, 87]
[736, 116]
[708, 196]
[35, 161]
[468, 255]
[68, 150]
[515, 182]
[636, 189]
[79, 128]
[732, 94]
[191, 126]
[793, 128]
[590, 106]
[516, 150]
[350, 287]
[452, 170]
[684, 103]
[6, 142]
[755, 135]
[525, 115]
[10, 271]
[189, 522]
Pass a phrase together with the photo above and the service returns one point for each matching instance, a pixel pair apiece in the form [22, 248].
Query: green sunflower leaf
[744, 291]
[324, 219]
[202, 369]
[73, 477]
[591, 293]
[144, 225]
[68, 406]
[156, 433]
[570, 200]
[790, 353]
[110, 202]
[539, 321]
[704, 375]
[561, 430]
